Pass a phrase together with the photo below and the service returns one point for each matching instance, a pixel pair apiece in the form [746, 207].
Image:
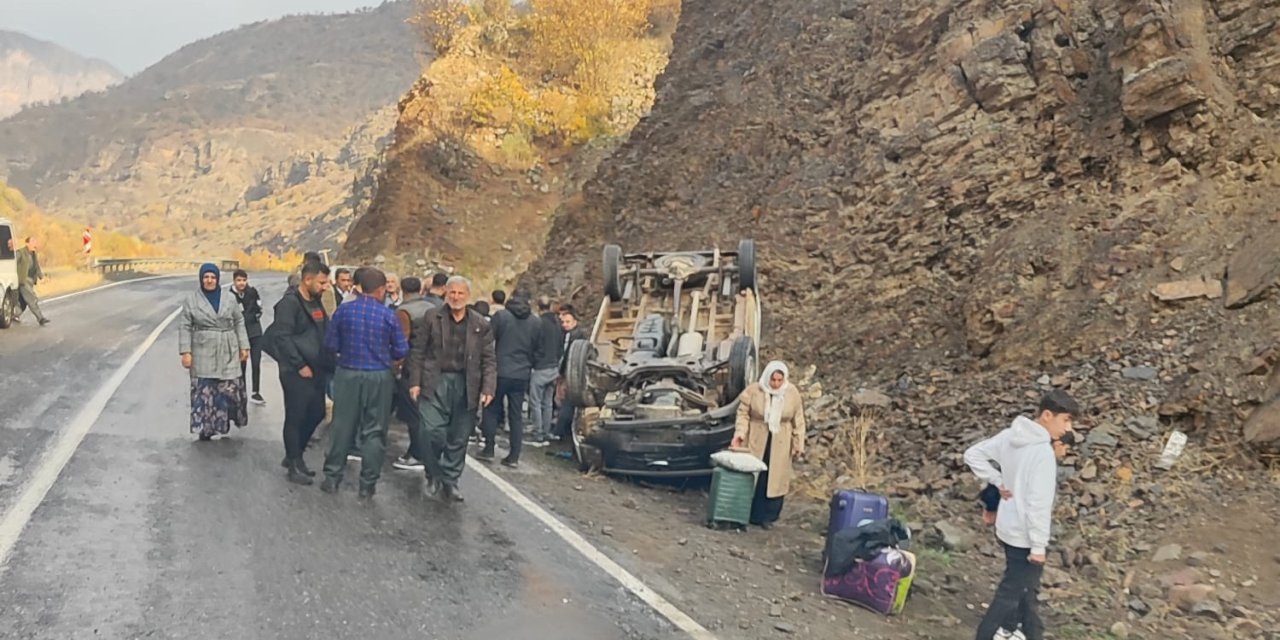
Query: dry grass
[64, 281]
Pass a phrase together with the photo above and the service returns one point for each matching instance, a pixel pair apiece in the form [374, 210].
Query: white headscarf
[774, 398]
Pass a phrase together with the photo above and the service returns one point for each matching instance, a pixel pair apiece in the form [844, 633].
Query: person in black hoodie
[297, 344]
[546, 370]
[251, 305]
[517, 346]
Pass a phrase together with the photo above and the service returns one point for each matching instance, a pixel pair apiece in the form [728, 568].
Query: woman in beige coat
[771, 426]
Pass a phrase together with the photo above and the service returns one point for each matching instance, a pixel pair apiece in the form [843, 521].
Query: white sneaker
[1001, 634]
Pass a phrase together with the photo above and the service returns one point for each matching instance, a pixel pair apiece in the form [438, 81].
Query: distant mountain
[34, 71]
[236, 141]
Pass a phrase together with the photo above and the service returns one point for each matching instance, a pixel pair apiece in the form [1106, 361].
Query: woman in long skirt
[213, 343]
[771, 425]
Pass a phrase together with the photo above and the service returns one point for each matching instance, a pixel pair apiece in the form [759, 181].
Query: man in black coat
[517, 345]
[251, 305]
[296, 341]
[572, 332]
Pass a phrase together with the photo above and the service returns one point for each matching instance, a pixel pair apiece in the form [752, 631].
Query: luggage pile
[865, 563]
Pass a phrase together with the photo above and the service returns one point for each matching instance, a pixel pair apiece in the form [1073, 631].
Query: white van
[8, 274]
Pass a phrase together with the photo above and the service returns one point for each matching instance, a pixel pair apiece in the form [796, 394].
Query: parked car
[673, 346]
[8, 274]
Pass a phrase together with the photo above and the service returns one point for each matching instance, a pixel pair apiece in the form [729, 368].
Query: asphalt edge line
[55, 458]
[108, 286]
[590, 552]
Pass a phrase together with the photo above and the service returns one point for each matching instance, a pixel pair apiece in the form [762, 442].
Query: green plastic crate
[730, 498]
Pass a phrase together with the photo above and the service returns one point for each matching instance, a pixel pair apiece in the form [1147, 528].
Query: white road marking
[65, 445]
[108, 286]
[633, 584]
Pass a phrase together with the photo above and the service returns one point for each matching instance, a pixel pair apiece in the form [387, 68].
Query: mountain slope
[181, 149]
[61, 238]
[34, 71]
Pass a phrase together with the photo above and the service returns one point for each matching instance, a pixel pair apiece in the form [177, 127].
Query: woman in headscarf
[771, 427]
[213, 343]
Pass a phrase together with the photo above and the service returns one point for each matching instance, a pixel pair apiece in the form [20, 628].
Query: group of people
[377, 346]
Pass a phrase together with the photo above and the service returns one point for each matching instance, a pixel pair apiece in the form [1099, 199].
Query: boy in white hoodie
[1020, 461]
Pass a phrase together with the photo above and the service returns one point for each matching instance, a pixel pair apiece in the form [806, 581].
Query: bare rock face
[34, 71]
[977, 186]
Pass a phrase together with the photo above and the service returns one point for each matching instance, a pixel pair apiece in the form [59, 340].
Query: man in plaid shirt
[369, 343]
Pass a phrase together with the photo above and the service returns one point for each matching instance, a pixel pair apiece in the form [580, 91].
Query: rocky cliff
[34, 71]
[959, 204]
[986, 185]
[236, 141]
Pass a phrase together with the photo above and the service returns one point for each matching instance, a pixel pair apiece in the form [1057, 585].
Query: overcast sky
[133, 34]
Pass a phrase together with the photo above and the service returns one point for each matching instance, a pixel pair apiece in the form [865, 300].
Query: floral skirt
[215, 404]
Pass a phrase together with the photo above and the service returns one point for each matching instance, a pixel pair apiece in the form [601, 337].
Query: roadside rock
[1120, 630]
[1254, 268]
[1208, 608]
[1188, 289]
[1140, 373]
[952, 537]
[1168, 552]
[1188, 597]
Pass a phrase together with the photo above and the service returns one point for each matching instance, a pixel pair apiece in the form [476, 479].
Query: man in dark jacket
[516, 336]
[435, 293]
[29, 274]
[452, 374]
[542, 382]
[251, 305]
[297, 335]
[572, 333]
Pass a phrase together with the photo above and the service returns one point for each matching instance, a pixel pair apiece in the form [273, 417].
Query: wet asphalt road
[149, 534]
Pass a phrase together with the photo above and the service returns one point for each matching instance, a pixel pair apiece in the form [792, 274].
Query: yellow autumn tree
[576, 38]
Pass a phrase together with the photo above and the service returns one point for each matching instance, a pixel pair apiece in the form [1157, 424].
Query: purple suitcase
[848, 508]
[879, 585]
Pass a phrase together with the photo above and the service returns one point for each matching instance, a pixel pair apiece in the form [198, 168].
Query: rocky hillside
[34, 71]
[501, 129]
[962, 203]
[235, 141]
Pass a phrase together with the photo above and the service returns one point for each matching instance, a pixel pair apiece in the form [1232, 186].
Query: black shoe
[485, 454]
[44, 321]
[367, 492]
[284, 462]
[453, 493]
[330, 485]
[766, 525]
[306, 471]
[509, 462]
[297, 477]
[205, 437]
[257, 399]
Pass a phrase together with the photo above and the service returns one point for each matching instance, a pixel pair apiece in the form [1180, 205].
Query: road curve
[149, 534]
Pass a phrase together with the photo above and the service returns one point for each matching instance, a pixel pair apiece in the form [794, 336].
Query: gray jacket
[213, 338]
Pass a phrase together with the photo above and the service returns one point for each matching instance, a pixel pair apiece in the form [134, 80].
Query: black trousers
[303, 410]
[255, 358]
[1015, 598]
[564, 421]
[407, 411]
[508, 401]
[765, 510]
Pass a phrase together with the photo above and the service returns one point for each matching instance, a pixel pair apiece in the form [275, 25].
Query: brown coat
[424, 359]
[754, 432]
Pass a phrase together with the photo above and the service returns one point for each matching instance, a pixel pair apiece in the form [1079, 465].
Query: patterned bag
[880, 585]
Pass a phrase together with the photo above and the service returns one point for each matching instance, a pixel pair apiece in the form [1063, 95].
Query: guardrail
[124, 265]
